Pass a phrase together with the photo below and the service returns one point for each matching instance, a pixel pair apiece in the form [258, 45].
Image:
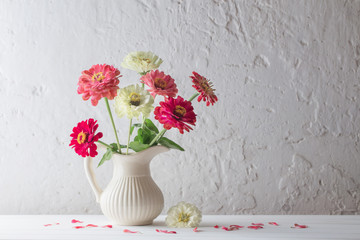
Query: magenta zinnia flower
[98, 82]
[176, 113]
[84, 138]
[205, 88]
[160, 84]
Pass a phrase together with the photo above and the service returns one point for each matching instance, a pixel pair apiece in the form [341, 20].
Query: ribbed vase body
[132, 197]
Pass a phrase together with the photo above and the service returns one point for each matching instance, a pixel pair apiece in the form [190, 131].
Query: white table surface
[319, 227]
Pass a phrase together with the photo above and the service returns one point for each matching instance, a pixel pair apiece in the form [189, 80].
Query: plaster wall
[282, 139]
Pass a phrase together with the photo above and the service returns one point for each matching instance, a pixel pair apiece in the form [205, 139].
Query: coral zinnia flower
[141, 62]
[84, 138]
[183, 215]
[98, 82]
[160, 84]
[205, 88]
[132, 101]
[176, 113]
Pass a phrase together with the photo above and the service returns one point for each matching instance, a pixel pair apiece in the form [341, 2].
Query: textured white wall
[283, 138]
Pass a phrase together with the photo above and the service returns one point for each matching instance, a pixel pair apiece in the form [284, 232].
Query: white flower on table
[183, 215]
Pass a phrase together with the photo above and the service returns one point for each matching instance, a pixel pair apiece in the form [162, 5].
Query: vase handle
[90, 175]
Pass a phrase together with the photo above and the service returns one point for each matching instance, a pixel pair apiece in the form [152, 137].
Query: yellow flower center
[98, 77]
[183, 217]
[146, 60]
[135, 99]
[81, 138]
[205, 86]
[179, 111]
[160, 83]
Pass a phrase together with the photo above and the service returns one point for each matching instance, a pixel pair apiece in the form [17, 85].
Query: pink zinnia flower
[205, 88]
[98, 82]
[176, 113]
[160, 84]
[84, 138]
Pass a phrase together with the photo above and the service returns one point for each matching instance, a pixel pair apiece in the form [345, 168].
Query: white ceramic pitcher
[132, 197]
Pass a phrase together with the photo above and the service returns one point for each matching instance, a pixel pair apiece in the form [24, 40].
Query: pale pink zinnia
[205, 88]
[177, 113]
[98, 82]
[160, 84]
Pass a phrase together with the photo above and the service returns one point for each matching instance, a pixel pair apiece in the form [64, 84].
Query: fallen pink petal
[195, 230]
[91, 225]
[257, 224]
[216, 226]
[165, 231]
[78, 227]
[299, 226]
[231, 227]
[107, 226]
[273, 223]
[255, 227]
[76, 221]
[50, 224]
[225, 228]
[129, 231]
[236, 226]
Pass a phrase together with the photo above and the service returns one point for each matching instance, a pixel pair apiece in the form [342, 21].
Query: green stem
[158, 136]
[113, 124]
[106, 145]
[193, 96]
[143, 122]
[128, 140]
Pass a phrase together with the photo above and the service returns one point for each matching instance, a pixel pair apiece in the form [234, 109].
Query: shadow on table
[161, 223]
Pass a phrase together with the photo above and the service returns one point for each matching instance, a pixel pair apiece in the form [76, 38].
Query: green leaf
[107, 156]
[114, 147]
[144, 136]
[131, 129]
[137, 147]
[134, 126]
[150, 125]
[170, 144]
[140, 135]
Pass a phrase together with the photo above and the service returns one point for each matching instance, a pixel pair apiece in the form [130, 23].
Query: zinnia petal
[141, 62]
[177, 113]
[84, 138]
[160, 84]
[205, 88]
[183, 215]
[132, 101]
[98, 82]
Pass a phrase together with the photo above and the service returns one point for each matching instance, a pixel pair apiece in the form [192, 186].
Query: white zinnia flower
[132, 101]
[141, 62]
[183, 215]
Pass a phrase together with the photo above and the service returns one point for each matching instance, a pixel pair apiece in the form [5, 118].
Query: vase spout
[151, 152]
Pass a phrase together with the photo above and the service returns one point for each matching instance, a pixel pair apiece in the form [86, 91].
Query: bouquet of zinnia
[136, 102]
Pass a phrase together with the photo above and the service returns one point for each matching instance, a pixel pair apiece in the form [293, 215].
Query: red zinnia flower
[98, 82]
[160, 84]
[84, 138]
[176, 113]
[205, 88]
